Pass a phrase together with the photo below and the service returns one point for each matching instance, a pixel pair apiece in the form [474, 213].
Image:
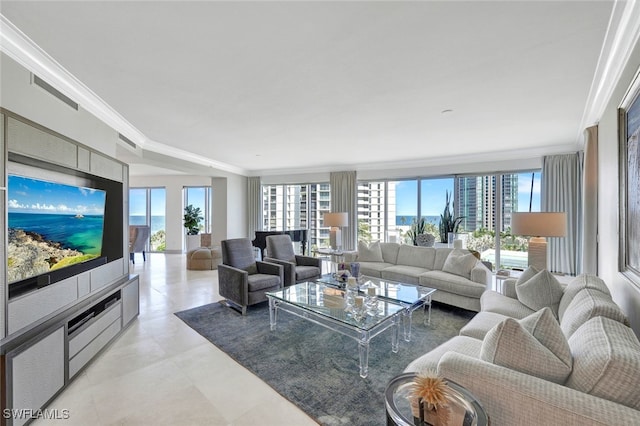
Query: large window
[300, 206]
[147, 206]
[200, 196]
[484, 203]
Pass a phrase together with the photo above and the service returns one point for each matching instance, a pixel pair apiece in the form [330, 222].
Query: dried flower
[431, 388]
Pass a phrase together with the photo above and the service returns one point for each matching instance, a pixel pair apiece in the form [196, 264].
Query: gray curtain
[344, 194]
[254, 205]
[590, 203]
[562, 192]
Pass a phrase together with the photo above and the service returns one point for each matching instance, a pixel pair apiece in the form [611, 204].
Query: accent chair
[243, 281]
[138, 239]
[296, 268]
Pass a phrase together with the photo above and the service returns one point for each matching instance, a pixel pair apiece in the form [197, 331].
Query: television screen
[51, 226]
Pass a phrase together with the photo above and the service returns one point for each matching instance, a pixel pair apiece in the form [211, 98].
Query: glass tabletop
[385, 289]
[329, 301]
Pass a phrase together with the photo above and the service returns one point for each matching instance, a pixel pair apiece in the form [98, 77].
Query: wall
[626, 294]
[32, 102]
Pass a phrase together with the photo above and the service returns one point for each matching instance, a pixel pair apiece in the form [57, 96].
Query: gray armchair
[138, 239]
[296, 268]
[243, 281]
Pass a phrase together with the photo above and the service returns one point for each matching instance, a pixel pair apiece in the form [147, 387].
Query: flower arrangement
[429, 398]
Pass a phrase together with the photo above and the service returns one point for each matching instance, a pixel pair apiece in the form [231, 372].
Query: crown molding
[15, 44]
[621, 38]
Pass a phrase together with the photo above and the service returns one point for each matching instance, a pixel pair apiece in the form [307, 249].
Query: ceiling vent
[127, 140]
[55, 92]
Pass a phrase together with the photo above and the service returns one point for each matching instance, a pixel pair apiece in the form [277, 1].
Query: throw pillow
[529, 273]
[510, 345]
[545, 327]
[460, 263]
[541, 290]
[371, 253]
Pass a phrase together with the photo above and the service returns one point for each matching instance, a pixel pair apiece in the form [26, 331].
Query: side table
[465, 409]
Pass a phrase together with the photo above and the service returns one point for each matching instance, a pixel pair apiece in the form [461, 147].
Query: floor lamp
[336, 221]
[539, 225]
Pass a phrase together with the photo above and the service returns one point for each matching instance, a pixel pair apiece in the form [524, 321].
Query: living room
[171, 160]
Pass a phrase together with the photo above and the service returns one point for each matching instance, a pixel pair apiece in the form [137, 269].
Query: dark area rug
[315, 368]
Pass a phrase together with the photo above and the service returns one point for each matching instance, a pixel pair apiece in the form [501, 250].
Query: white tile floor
[161, 372]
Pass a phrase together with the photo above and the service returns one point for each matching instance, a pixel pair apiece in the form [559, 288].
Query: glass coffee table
[409, 296]
[324, 305]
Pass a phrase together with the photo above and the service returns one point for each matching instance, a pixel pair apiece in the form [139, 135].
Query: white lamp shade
[539, 224]
[336, 219]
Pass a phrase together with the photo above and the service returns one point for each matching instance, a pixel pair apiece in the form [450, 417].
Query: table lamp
[335, 221]
[539, 225]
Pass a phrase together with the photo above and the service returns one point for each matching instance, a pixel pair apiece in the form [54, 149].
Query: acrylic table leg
[363, 349]
[394, 335]
[406, 324]
[273, 313]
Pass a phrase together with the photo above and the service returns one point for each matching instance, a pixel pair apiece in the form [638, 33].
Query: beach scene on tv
[51, 226]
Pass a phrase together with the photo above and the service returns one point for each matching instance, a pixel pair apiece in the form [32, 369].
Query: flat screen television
[59, 225]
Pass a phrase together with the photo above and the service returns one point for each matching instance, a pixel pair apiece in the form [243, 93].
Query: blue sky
[27, 195]
[138, 201]
[433, 195]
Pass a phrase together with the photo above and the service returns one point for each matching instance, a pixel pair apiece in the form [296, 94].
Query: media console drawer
[97, 325]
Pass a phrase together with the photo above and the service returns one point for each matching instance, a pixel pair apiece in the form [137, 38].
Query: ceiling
[262, 87]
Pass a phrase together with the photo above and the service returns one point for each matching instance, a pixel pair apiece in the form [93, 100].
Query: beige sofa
[459, 277]
[579, 368]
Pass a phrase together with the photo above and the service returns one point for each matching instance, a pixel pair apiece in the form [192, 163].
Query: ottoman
[204, 258]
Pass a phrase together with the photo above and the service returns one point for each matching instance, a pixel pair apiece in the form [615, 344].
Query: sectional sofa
[458, 275]
[546, 355]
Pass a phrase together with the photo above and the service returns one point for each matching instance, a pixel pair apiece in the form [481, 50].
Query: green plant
[192, 219]
[417, 228]
[448, 223]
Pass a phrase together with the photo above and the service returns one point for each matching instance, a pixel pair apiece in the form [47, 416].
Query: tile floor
[161, 372]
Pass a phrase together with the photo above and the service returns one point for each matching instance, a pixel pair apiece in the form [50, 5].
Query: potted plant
[192, 218]
[448, 223]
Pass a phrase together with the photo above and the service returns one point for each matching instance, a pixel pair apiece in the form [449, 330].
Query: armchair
[138, 238]
[242, 280]
[296, 268]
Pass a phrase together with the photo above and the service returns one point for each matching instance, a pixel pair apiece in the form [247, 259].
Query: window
[147, 206]
[200, 196]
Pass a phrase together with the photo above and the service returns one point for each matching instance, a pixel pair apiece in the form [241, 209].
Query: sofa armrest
[271, 269]
[288, 270]
[509, 288]
[509, 396]
[481, 274]
[233, 284]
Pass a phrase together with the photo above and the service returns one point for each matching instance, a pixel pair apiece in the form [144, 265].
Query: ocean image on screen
[51, 226]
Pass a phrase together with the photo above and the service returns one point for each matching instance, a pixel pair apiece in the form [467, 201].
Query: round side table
[465, 409]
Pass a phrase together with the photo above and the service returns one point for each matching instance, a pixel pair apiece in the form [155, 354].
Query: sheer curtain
[344, 194]
[254, 205]
[562, 192]
[590, 200]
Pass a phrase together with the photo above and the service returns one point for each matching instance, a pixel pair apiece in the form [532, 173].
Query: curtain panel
[344, 195]
[254, 205]
[562, 192]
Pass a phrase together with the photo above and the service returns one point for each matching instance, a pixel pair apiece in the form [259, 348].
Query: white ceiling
[263, 86]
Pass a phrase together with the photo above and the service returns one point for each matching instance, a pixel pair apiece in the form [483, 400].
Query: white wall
[23, 98]
[626, 294]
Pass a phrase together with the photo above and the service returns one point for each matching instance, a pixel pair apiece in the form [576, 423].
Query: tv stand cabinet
[40, 363]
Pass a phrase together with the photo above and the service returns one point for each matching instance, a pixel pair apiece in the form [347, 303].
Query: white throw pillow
[460, 263]
[541, 290]
[510, 345]
[371, 253]
[545, 327]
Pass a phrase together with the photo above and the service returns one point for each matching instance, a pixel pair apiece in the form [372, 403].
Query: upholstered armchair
[138, 239]
[296, 268]
[243, 281]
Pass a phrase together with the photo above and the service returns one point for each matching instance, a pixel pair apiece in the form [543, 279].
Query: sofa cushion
[442, 253]
[580, 282]
[544, 326]
[452, 283]
[541, 290]
[587, 304]
[492, 301]
[374, 269]
[421, 257]
[306, 272]
[460, 344]
[510, 345]
[606, 361]
[403, 273]
[258, 282]
[390, 252]
[369, 253]
[460, 263]
[481, 324]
